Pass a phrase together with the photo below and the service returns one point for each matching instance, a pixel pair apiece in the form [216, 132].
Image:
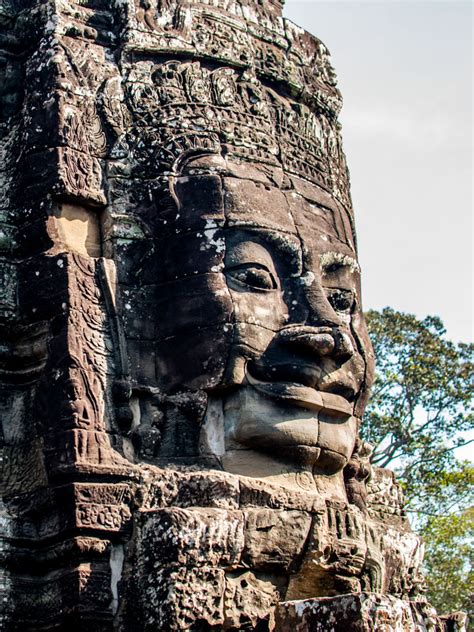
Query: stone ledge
[362, 612]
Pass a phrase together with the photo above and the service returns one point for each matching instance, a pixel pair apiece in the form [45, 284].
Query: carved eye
[254, 276]
[341, 300]
[333, 267]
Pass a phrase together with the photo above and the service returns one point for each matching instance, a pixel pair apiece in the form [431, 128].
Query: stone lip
[303, 396]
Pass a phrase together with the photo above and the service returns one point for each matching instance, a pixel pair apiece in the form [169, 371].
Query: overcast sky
[405, 72]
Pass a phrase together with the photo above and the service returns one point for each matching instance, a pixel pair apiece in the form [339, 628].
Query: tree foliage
[421, 406]
[449, 561]
[419, 415]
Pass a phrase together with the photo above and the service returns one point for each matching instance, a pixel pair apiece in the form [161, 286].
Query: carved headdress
[230, 76]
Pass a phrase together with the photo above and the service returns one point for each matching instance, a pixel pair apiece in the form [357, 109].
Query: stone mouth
[303, 396]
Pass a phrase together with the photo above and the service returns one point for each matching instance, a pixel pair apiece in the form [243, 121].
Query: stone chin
[288, 423]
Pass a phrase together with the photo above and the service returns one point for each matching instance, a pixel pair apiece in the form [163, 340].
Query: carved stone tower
[184, 363]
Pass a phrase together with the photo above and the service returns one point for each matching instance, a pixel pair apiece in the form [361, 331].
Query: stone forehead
[228, 192]
[219, 165]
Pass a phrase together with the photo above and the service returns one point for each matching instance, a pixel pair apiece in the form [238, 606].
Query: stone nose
[322, 341]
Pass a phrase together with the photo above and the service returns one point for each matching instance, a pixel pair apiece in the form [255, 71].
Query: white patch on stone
[330, 258]
[128, 449]
[211, 440]
[116, 568]
[135, 408]
[307, 279]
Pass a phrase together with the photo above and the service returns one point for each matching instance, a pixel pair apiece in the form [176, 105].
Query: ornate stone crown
[234, 71]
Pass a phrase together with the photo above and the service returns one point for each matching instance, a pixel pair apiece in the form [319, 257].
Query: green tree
[419, 415]
[449, 561]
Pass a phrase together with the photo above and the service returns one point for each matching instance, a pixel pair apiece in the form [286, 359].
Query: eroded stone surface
[362, 613]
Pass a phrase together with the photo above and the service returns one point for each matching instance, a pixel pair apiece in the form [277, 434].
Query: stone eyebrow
[285, 245]
[338, 259]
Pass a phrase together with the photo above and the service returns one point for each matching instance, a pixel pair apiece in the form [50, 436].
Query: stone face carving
[184, 363]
